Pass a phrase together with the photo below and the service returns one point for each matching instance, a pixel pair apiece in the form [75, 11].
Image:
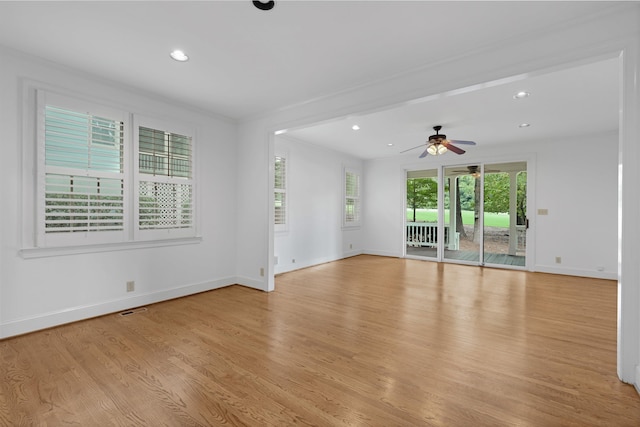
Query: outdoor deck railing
[425, 234]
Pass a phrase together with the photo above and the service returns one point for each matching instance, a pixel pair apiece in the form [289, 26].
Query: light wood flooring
[366, 341]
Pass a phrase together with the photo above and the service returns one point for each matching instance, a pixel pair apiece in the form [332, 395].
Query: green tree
[421, 193]
[466, 192]
[521, 198]
[496, 192]
[459, 223]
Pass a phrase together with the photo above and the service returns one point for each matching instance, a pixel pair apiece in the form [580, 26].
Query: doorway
[471, 214]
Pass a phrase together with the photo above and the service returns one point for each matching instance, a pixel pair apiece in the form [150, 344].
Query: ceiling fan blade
[424, 154]
[409, 149]
[456, 141]
[455, 149]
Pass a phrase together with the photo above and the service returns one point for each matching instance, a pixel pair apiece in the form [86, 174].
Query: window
[95, 184]
[83, 172]
[351, 198]
[280, 191]
[165, 182]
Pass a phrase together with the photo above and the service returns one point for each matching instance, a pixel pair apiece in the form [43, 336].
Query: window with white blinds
[83, 172]
[165, 180]
[280, 191]
[96, 184]
[351, 198]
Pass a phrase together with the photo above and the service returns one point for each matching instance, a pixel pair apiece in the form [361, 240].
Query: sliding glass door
[461, 208]
[505, 214]
[478, 217]
[421, 231]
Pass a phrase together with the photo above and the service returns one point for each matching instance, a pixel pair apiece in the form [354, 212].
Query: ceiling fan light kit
[439, 144]
[436, 148]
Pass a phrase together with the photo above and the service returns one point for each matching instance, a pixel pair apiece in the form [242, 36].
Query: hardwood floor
[367, 341]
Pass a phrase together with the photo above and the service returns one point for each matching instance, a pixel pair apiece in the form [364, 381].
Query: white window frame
[357, 222]
[43, 239]
[280, 228]
[35, 242]
[171, 127]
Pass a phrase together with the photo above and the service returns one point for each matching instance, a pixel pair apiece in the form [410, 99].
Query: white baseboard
[609, 275]
[251, 283]
[637, 381]
[286, 268]
[74, 314]
[384, 253]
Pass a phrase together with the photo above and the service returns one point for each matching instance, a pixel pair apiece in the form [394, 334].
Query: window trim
[358, 222]
[140, 120]
[42, 239]
[33, 175]
[33, 253]
[281, 228]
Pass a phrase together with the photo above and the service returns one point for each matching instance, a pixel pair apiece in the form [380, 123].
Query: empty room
[319, 213]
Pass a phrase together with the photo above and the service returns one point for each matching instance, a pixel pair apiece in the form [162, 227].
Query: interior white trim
[47, 320]
[29, 253]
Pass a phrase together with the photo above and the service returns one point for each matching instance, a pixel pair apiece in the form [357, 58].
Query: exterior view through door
[471, 214]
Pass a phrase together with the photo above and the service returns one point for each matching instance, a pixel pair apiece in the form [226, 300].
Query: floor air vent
[133, 311]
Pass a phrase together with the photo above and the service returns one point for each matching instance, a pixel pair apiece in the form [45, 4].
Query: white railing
[425, 234]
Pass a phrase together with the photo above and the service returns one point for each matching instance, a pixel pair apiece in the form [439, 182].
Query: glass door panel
[504, 229]
[422, 214]
[461, 214]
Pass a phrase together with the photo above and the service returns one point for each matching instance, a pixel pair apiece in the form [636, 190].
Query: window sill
[29, 253]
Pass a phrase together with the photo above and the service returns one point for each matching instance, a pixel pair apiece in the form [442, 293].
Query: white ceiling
[245, 62]
[571, 102]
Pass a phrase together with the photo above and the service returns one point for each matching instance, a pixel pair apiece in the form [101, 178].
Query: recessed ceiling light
[521, 94]
[280, 132]
[355, 127]
[389, 145]
[179, 55]
[524, 125]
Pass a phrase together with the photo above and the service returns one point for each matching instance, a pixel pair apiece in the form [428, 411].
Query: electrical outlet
[350, 245]
[131, 286]
[293, 261]
[262, 272]
[558, 260]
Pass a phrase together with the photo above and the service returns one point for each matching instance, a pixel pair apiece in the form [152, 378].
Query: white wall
[314, 233]
[42, 292]
[253, 210]
[578, 188]
[577, 182]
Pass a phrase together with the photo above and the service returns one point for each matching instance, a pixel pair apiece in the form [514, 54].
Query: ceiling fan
[439, 144]
[473, 170]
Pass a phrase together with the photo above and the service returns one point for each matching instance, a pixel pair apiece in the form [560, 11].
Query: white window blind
[105, 176]
[280, 190]
[165, 181]
[83, 172]
[352, 198]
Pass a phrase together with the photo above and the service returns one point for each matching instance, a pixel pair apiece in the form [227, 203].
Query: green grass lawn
[490, 219]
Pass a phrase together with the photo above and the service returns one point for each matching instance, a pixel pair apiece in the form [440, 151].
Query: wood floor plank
[363, 341]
